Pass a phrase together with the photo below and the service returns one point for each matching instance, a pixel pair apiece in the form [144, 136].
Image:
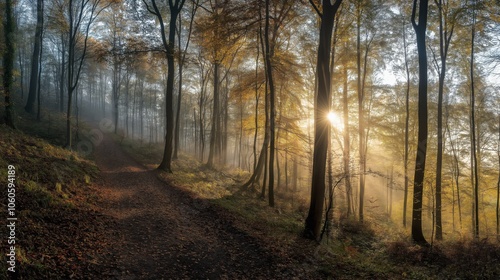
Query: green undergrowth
[52, 202]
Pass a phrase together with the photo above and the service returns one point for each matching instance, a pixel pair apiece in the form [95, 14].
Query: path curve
[162, 233]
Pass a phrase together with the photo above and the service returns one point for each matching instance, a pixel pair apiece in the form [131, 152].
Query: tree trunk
[361, 124]
[418, 182]
[8, 62]
[39, 78]
[20, 57]
[71, 67]
[347, 142]
[202, 127]
[175, 9]
[407, 124]
[240, 142]
[83, 9]
[262, 161]
[63, 76]
[212, 153]
[474, 161]
[127, 93]
[116, 86]
[272, 128]
[444, 43]
[30, 103]
[224, 134]
[322, 128]
[257, 95]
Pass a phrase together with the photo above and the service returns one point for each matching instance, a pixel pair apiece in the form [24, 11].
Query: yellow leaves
[86, 178]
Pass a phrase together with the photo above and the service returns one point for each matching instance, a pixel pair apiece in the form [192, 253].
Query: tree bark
[361, 127]
[272, 117]
[312, 228]
[63, 75]
[347, 143]
[74, 70]
[35, 61]
[175, 8]
[8, 62]
[475, 175]
[212, 153]
[407, 128]
[39, 77]
[445, 36]
[418, 182]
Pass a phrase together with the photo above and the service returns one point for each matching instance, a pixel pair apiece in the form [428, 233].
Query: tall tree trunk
[8, 62]
[272, 117]
[347, 142]
[214, 132]
[322, 128]
[257, 95]
[202, 127]
[456, 173]
[182, 59]
[30, 103]
[20, 57]
[418, 182]
[141, 113]
[361, 126]
[39, 78]
[439, 159]
[178, 113]
[127, 93]
[224, 134]
[407, 127]
[88, 10]
[63, 75]
[391, 188]
[71, 68]
[475, 178]
[262, 161]
[116, 87]
[175, 8]
[445, 36]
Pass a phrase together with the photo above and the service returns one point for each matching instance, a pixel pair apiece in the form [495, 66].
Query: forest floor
[162, 232]
[114, 216]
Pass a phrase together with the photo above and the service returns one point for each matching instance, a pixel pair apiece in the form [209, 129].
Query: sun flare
[335, 120]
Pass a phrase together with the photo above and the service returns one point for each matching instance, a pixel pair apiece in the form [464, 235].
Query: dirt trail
[162, 233]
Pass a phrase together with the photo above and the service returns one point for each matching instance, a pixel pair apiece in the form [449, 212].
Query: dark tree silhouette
[8, 62]
[322, 127]
[35, 61]
[175, 9]
[418, 182]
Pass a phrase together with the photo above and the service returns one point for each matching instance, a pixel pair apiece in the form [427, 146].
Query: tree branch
[413, 14]
[316, 8]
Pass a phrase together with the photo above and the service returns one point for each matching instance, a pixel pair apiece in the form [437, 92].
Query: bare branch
[316, 8]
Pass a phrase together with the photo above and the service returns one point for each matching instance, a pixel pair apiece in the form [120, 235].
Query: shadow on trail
[163, 232]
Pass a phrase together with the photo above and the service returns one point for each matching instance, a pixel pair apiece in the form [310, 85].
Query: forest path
[163, 233]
